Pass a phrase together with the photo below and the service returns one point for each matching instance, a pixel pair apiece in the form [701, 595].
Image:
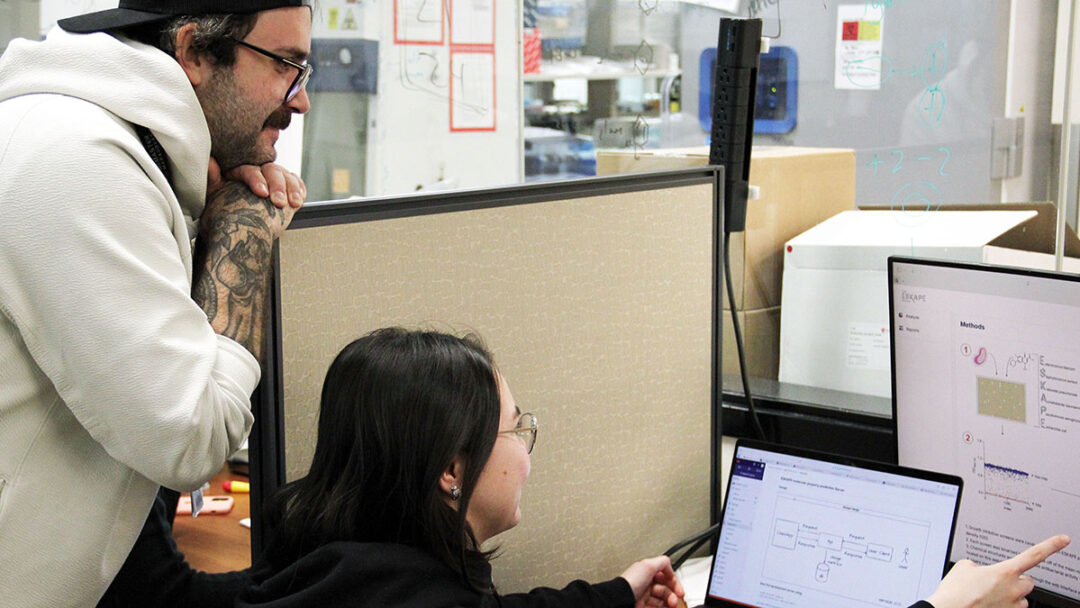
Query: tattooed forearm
[204, 291]
[232, 264]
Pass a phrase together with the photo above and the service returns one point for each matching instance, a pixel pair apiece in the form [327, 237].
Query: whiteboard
[447, 110]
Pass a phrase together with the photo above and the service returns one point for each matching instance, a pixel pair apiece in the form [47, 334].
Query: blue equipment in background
[776, 99]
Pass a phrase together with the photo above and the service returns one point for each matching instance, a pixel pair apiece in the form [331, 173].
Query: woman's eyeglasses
[525, 430]
[303, 70]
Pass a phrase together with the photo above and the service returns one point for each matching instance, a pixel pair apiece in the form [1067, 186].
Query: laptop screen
[804, 530]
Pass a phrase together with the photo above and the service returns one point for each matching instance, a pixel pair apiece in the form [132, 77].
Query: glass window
[909, 105]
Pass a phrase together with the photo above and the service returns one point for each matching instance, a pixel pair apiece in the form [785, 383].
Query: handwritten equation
[928, 165]
[930, 72]
[917, 195]
[941, 158]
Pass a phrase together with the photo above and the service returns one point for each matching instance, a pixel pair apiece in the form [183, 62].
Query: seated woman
[420, 460]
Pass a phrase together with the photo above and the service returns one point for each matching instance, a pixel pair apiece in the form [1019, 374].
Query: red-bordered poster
[472, 22]
[472, 89]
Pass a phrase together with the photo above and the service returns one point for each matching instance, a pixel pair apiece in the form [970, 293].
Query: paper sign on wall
[472, 22]
[472, 91]
[338, 19]
[859, 36]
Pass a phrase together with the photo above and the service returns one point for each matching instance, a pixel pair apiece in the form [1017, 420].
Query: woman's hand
[266, 181]
[653, 582]
[997, 585]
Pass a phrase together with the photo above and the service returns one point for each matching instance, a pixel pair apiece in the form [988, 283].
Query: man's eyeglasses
[304, 70]
[525, 430]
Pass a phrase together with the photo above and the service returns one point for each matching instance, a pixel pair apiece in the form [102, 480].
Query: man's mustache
[280, 119]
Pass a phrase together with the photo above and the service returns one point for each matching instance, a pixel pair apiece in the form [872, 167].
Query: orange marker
[241, 487]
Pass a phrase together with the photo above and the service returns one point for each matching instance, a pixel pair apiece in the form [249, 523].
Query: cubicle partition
[599, 300]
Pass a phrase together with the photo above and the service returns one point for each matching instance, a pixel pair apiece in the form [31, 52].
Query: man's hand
[273, 181]
[265, 181]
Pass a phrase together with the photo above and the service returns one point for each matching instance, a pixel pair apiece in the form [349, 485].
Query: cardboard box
[834, 327]
[761, 341]
[1036, 234]
[800, 187]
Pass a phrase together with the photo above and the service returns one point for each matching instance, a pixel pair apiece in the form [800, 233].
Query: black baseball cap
[136, 12]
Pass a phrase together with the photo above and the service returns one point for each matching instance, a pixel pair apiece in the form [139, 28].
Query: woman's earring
[455, 492]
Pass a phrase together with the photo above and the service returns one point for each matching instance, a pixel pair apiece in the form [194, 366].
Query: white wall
[54, 10]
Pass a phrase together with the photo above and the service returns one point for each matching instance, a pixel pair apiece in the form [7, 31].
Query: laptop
[804, 529]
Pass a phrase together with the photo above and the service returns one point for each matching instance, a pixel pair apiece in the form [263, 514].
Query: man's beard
[234, 131]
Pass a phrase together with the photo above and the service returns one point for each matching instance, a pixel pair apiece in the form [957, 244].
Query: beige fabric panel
[598, 311]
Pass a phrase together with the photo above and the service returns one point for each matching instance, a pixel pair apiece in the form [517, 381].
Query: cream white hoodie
[111, 380]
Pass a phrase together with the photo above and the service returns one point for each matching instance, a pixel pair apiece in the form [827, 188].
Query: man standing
[126, 358]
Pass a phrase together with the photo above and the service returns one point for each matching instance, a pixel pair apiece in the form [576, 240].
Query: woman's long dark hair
[397, 407]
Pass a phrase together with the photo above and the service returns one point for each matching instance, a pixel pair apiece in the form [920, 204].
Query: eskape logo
[970, 325]
[908, 297]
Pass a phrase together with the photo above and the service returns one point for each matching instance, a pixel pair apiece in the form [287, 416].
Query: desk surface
[217, 543]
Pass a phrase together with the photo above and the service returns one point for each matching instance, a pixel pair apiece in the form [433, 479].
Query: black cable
[675, 565]
[758, 428]
[697, 539]
[700, 538]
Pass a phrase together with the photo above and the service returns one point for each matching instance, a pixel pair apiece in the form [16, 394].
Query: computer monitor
[986, 385]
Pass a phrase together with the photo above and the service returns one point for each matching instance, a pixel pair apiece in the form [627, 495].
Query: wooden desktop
[217, 543]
